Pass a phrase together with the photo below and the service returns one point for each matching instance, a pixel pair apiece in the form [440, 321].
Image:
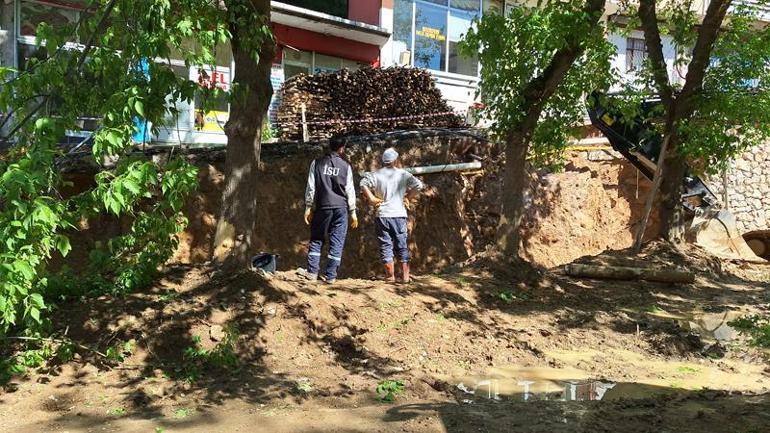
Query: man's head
[337, 145]
[389, 157]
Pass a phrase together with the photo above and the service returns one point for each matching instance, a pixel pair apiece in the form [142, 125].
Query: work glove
[376, 202]
[353, 220]
[308, 215]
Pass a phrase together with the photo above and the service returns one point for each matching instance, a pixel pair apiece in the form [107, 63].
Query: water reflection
[532, 384]
[534, 390]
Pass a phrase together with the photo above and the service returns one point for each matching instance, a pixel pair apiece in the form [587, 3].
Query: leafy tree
[721, 108]
[105, 75]
[253, 52]
[536, 65]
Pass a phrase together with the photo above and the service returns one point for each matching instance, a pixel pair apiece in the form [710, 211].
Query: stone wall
[748, 189]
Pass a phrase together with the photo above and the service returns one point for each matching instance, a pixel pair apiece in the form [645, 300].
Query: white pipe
[445, 168]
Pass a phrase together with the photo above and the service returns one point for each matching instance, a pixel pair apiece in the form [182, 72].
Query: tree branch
[539, 90]
[649, 17]
[707, 36]
[545, 85]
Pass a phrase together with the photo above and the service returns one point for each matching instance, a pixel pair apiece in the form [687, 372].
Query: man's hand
[308, 215]
[353, 221]
[376, 202]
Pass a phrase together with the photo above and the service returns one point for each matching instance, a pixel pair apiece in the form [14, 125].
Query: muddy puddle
[543, 384]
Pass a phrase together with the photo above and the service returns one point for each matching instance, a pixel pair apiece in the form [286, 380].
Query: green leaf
[25, 269]
[63, 245]
[37, 300]
[139, 107]
[35, 314]
[132, 186]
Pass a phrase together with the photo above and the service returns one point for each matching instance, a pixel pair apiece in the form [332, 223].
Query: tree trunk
[671, 211]
[607, 272]
[235, 232]
[681, 106]
[512, 195]
[536, 94]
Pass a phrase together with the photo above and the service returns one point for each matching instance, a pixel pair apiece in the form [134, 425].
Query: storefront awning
[326, 24]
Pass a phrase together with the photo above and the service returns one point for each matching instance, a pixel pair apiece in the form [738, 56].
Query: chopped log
[362, 96]
[629, 273]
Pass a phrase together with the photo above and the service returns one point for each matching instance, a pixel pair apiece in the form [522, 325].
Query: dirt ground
[485, 347]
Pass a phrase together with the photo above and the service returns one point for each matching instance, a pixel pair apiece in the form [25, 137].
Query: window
[325, 64]
[402, 31]
[297, 62]
[430, 37]
[426, 34]
[62, 14]
[509, 7]
[307, 62]
[56, 14]
[459, 24]
[636, 53]
[30, 53]
[212, 107]
[174, 120]
[332, 7]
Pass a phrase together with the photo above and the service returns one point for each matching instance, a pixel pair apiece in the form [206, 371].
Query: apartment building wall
[7, 25]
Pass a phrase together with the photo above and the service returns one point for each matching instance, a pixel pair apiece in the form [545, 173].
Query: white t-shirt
[391, 185]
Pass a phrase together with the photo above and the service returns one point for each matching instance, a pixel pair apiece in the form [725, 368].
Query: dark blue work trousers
[332, 223]
[392, 234]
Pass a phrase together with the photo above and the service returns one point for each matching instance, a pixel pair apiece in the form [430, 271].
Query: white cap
[389, 156]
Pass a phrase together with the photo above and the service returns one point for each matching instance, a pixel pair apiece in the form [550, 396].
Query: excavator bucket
[717, 232]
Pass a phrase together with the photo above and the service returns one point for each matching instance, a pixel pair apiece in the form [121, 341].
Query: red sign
[211, 80]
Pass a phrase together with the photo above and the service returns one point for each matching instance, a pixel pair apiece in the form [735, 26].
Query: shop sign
[428, 32]
[212, 121]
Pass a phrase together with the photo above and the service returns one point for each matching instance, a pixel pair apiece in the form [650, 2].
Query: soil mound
[661, 254]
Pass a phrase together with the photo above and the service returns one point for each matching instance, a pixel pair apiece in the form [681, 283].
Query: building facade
[316, 36]
[313, 36]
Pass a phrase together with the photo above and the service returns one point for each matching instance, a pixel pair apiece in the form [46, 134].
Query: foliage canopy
[120, 72]
[517, 48]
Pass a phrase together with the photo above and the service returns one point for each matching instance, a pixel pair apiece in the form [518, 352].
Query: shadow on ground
[647, 409]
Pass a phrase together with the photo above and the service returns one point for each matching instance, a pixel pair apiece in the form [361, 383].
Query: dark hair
[335, 143]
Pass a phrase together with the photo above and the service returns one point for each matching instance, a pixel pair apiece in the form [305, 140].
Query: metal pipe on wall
[444, 168]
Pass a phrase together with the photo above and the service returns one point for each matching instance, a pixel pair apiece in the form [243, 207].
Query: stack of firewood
[356, 102]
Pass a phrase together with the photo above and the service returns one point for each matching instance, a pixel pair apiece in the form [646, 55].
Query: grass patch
[756, 328]
[183, 412]
[117, 411]
[387, 390]
[303, 387]
[508, 296]
[168, 296]
[654, 309]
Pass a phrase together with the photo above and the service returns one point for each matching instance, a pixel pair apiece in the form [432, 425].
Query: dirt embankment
[441, 231]
[588, 208]
[538, 338]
